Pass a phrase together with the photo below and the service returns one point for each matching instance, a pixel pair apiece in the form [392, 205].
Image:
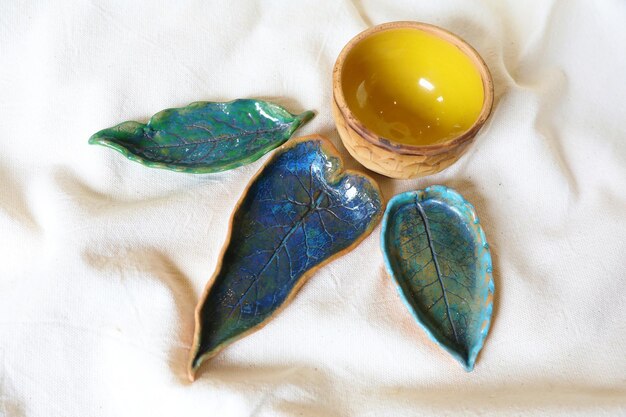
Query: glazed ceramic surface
[389, 162]
[412, 87]
[409, 97]
[204, 137]
[299, 212]
[436, 251]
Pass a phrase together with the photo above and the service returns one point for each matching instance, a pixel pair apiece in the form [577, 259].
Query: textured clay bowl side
[399, 160]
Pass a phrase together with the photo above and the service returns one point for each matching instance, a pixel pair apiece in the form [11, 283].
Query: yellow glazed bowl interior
[412, 87]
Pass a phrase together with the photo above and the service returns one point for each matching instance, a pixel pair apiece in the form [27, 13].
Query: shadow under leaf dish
[204, 137]
[437, 253]
[300, 211]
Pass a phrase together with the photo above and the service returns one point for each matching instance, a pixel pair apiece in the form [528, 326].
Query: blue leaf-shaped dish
[204, 137]
[436, 251]
[299, 212]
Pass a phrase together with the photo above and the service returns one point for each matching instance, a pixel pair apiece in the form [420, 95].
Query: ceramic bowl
[408, 98]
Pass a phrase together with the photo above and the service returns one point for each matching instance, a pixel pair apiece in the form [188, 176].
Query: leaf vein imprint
[275, 252]
[218, 138]
[422, 214]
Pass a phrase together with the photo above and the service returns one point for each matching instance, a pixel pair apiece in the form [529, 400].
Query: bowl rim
[401, 148]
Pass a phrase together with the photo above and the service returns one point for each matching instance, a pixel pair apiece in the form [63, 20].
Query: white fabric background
[103, 260]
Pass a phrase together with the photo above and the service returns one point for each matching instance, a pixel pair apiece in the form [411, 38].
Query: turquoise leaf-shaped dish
[204, 137]
[435, 250]
[300, 211]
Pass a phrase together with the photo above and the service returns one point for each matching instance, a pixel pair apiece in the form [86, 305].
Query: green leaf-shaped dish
[436, 251]
[204, 137]
[300, 211]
